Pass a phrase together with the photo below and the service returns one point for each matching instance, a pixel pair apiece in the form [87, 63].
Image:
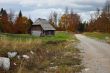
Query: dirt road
[96, 55]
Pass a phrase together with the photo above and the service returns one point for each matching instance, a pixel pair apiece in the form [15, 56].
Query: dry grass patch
[57, 56]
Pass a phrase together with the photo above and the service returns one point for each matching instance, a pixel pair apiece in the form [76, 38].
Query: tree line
[11, 24]
[68, 21]
[101, 20]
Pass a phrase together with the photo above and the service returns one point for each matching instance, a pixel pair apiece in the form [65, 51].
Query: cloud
[86, 16]
[42, 13]
[42, 8]
[9, 1]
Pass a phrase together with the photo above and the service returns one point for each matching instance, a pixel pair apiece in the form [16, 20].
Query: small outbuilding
[41, 27]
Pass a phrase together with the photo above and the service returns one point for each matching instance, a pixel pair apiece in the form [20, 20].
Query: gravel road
[96, 55]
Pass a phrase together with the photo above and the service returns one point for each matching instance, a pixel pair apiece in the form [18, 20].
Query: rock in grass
[32, 52]
[25, 56]
[5, 63]
[12, 54]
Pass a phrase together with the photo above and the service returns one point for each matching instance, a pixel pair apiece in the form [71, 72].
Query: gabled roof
[44, 24]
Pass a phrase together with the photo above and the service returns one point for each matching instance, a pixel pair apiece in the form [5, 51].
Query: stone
[32, 52]
[11, 54]
[87, 69]
[25, 56]
[5, 63]
[55, 67]
[14, 64]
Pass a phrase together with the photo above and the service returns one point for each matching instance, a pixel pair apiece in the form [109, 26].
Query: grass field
[52, 54]
[59, 36]
[99, 36]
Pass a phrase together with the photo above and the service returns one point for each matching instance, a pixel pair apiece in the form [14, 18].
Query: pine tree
[4, 13]
[1, 10]
[20, 14]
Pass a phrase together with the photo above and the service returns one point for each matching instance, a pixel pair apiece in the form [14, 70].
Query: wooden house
[41, 27]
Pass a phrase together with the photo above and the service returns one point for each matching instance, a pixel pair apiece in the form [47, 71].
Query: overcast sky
[42, 8]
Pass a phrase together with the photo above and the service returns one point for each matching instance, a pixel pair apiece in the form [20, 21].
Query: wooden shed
[41, 27]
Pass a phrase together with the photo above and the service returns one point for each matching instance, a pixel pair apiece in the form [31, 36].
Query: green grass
[17, 36]
[59, 36]
[98, 35]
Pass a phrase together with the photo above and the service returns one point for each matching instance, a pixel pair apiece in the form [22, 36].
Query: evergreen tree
[4, 13]
[82, 27]
[20, 14]
[1, 10]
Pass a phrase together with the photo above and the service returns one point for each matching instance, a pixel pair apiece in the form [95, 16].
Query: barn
[41, 27]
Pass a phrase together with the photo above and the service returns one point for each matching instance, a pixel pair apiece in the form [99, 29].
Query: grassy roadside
[52, 54]
[99, 36]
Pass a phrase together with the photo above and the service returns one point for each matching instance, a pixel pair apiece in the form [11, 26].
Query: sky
[42, 8]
